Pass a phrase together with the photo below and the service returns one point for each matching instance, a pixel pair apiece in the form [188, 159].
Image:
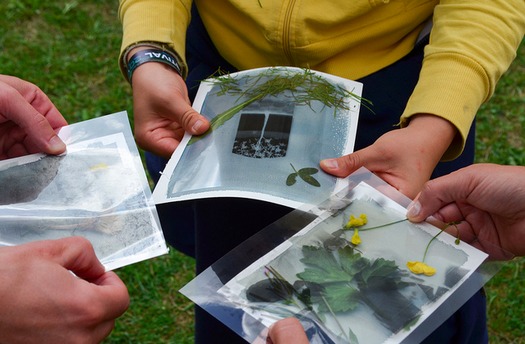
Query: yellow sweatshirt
[472, 42]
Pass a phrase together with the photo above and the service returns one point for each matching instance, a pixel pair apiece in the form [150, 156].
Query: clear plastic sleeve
[346, 280]
[98, 189]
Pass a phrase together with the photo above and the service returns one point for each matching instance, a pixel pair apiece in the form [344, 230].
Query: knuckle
[188, 117]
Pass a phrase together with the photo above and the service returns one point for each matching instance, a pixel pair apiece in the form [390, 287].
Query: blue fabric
[208, 229]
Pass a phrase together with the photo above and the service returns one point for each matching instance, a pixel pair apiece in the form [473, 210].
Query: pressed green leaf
[310, 180]
[316, 256]
[291, 179]
[352, 262]
[380, 268]
[321, 276]
[341, 297]
[308, 171]
[321, 267]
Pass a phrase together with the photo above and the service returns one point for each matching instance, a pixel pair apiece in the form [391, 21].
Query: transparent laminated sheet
[268, 148]
[97, 189]
[304, 265]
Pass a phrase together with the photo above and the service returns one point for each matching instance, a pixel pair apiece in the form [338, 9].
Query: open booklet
[353, 269]
[98, 190]
[270, 127]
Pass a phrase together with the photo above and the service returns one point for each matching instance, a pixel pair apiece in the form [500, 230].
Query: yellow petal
[419, 268]
[356, 221]
[356, 240]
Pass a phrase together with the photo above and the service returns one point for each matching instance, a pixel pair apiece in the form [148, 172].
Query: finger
[38, 99]
[192, 122]
[463, 231]
[449, 213]
[73, 253]
[288, 330]
[77, 255]
[343, 166]
[41, 134]
[434, 195]
[43, 105]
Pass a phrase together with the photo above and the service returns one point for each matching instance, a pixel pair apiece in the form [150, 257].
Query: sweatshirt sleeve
[159, 22]
[472, 43]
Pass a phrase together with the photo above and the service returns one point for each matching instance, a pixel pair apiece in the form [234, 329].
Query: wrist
[145, 54]
[438, 132]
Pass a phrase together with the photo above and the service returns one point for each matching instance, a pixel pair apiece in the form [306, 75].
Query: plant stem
[220, 119]
[335, 317]
[381, 226]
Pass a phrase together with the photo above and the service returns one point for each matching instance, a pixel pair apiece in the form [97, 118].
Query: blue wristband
[152, 55]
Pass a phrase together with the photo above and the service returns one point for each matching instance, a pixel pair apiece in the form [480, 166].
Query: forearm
[471, 46]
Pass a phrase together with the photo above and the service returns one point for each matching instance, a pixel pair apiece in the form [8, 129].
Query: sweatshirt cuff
[452, 87]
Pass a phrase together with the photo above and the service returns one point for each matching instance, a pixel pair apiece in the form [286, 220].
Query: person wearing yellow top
[426, 65]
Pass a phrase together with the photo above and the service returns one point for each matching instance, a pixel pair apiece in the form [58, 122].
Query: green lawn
[70, 49]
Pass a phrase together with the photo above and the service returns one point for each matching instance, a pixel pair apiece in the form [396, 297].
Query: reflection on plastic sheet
[97, 190]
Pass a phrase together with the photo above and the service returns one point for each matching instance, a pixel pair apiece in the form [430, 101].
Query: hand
[287, 331]
[28, 120]
[43, 302]
[404, 158]
[489, 200]
[162, 110]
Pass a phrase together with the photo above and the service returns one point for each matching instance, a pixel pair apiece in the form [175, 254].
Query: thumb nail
[413, 209]
[331, 164]
[197, 125]
[56, 145]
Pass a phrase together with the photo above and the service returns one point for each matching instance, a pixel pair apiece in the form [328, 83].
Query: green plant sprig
[304, 88]
[313, 87]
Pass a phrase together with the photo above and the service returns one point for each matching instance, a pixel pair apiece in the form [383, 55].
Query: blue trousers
[208, 229]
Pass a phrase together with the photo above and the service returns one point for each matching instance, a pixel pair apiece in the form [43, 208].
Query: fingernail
[197, 125]
[331, 164]
[413, 209]
[56, 145]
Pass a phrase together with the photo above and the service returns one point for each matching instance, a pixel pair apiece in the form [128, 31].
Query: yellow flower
[356, 240]
[100, 166]
[421, 268]
[356, 221]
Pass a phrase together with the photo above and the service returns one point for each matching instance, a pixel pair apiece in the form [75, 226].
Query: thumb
[193, 122]
[343, 166]
[33, 123]
[288, 330]
[414, 213]
[42, 135]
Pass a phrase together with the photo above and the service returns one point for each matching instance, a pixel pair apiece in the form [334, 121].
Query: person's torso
[347, 38]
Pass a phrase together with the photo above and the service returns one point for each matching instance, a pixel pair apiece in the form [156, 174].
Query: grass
[70, 49]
